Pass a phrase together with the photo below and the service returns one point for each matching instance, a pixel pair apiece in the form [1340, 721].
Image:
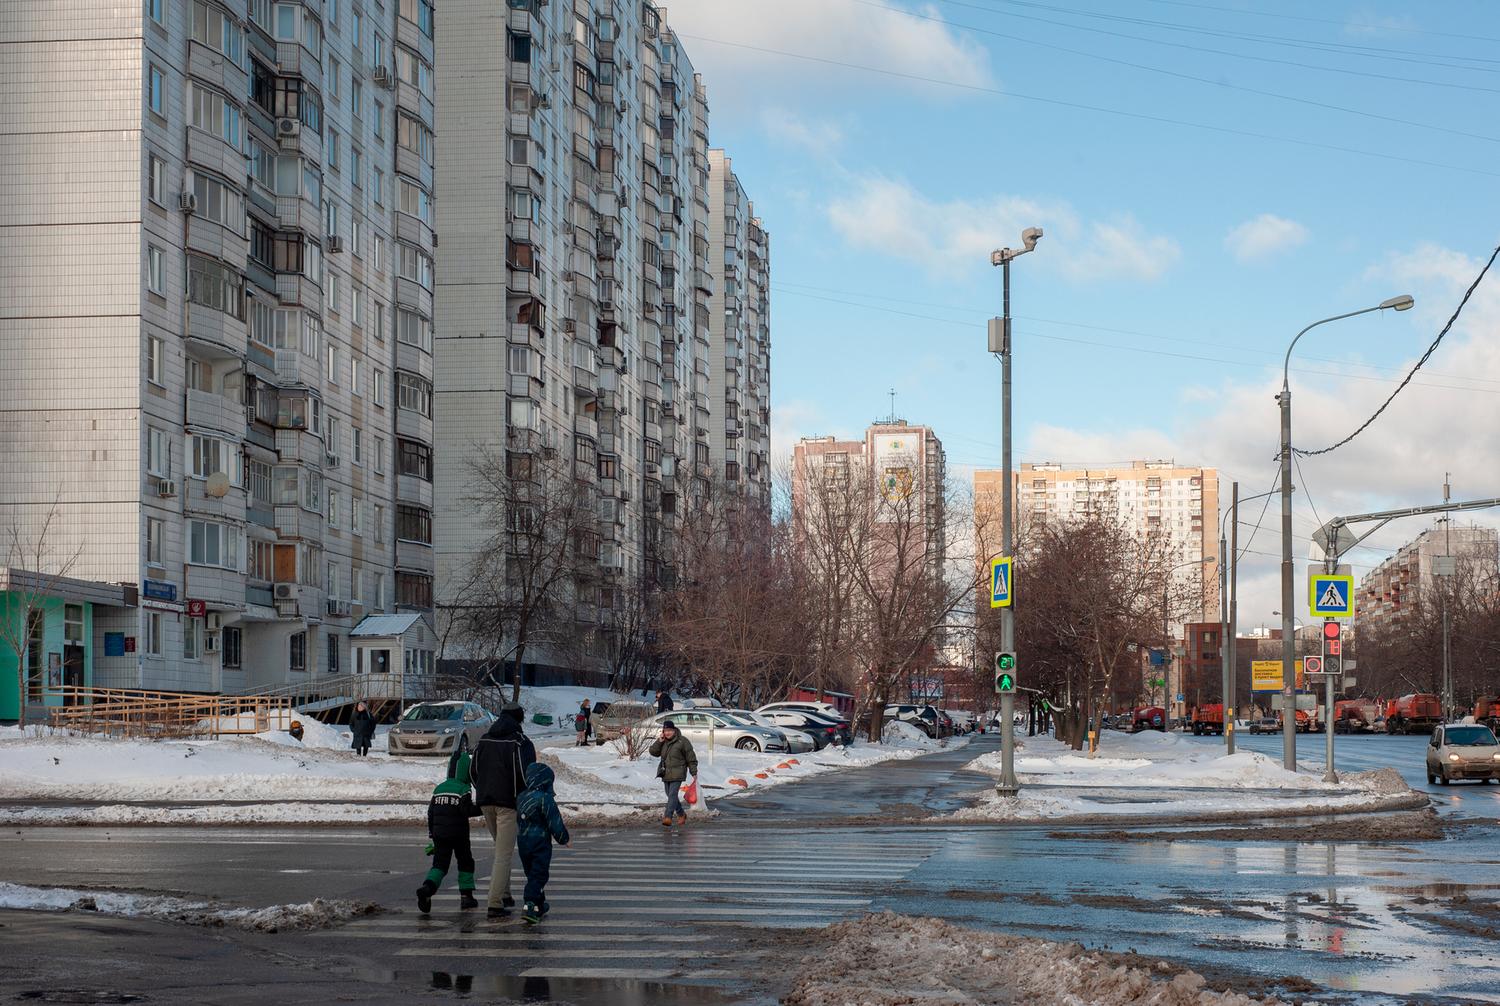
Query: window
[332, 583]
[413, 393]
[523, 414]
[410, 69]
[413, 329]
[231, 646]
[379, 309]
[359, 446]
[219, 202]
[415, 459]
[158, 453]
[263, 164]
[419, 13]
[153, 359]
[377, 387]
[412, 135]
[217, 286]
[333, 653]
[583, 452]
[330, 217]
[156, 170]
[357, 174]
[356, 515]
[153, 633]
[413, 200]
[293, 24]
[377, 50]
[156, 90]
[154, 531]
[377, 528]
[262, 557]
[335, 72]
[335, 439]
[200, 376]
[333, 508]
[331, 366]
[608, 466]
[156, 281]
[357, 315]
[414, 264]
[297, 645]
[260, 482]
[191, 629]
[333, 295]
[214, 113]
[518, 47]
[331, 151]
[413, 590]
[331, 9]
[354, 369]
[212, 544]
[210, 455]
[378, 127]
[413, 523]
[357, 24]
[217, 30]
[153, 10]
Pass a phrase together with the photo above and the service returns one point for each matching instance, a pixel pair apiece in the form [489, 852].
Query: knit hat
[668, 725]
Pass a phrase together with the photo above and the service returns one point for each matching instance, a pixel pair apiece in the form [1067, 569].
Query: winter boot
[666, 821]
[497, 913]
[533, 915]
[466, 900]
[681, 819]
[508, 901]
[424, 896]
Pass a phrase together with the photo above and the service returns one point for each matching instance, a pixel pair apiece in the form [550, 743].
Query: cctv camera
[997, 257]
[1030, 236]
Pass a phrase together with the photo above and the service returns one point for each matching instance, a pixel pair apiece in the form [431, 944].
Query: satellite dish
[216, 485]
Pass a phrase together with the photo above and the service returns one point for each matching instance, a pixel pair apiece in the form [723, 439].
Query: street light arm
[1287, 361]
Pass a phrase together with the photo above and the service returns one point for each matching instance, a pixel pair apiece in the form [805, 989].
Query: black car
[823, 730]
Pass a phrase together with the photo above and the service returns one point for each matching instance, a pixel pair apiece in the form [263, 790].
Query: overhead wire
[1407, 29]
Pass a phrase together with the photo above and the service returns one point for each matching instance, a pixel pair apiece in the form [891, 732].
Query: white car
[702, 726]
[1463, 751]
[797, 742]
[820, 708]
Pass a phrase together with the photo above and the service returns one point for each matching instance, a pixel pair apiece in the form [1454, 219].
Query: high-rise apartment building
[217, 312]
[1388, 593]
[581, 290]
[1151, 497]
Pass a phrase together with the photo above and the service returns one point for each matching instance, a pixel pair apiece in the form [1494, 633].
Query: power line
[1430, 350]
[1329, 21]
[1176, 73]
[1083, 106]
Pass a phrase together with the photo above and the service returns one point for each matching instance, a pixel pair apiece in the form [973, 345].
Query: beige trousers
[501, 822]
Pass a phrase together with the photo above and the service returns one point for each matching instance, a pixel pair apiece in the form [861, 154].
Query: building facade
[231, 410]
[1388, 592]
[1151, 497]
[579, 285]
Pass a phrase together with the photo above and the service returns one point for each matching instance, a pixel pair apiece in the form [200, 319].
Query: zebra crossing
[657, 905]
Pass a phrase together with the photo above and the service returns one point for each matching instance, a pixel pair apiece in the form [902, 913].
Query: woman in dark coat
[363, 727]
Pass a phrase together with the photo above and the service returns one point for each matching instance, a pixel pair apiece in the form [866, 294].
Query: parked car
[823, 732]
[821, 708]
[620, 716]
[1265, 725]
[439, 728]
[844, 730]
[797, 741]
[1463, 751]
[701, 725]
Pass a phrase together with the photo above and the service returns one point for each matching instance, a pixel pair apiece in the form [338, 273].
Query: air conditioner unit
[381, 75]
[187, 202]
[570, 325]
[166, 488]
[211, 643]
[330, 461]
[288, 128]
[338, 607]
[213, 621]
[285, 591]
[334, 244]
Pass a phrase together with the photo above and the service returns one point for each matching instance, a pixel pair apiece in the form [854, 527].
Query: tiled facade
[576, 289]
[1386, 594]
[217, 308]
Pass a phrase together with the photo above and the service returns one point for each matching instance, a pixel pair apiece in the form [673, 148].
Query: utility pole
[1447, 571]
[1226, 700]
[1232, 676]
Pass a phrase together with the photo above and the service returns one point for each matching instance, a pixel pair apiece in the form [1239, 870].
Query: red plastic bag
[690, 794]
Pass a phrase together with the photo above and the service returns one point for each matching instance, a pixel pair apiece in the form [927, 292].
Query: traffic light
[1333, 638]
[1005, 672]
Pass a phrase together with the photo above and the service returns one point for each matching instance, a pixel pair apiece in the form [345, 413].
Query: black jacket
[363, 728]
[664, 703]
[498, 765]
[451, 807]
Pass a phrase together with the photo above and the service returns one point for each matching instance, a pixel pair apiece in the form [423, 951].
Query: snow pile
[1152, 760]
[893, 960]
[898, 733]
[317, 735]
[316, 914]
[1033, 804]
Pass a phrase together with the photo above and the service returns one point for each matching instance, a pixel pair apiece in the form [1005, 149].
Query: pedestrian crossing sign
[1001, 583]
[1330, 595]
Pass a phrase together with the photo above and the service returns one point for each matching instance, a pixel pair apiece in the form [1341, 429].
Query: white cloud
[816, 136]
[1259, 239]
[838, 31]
[889, 216]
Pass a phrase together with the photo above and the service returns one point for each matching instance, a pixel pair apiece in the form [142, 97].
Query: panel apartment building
[1152, 497]
[217, 310]
[588, 262]
[1390, 591]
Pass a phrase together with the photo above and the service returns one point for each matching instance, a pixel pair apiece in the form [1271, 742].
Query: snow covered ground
[272, 778]
[315, 914]
[1184, 779]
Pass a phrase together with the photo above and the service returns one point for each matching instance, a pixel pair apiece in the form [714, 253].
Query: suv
[1463, 751]
[827, 709]
[1265, 725]
[924, 718]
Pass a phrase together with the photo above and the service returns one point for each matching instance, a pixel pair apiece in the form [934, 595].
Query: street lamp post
[1288, 641]
[1000, 344]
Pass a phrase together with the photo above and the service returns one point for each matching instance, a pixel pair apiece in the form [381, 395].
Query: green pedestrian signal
[1005, 672]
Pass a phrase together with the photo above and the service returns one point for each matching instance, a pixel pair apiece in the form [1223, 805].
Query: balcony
[521, 284]
[295, 522]
[214, 153]
[298, 368]
[528, 335]
[221, 588]
[413, 426]
[210, 412]
[586, 425]
[414, 556]
[410, 489]
[217, 329]
[230, 506]
[585, 380]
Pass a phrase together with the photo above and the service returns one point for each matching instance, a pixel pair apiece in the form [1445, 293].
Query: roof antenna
[893, 405]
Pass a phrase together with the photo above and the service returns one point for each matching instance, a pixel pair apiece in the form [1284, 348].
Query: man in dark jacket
[362, 727]
[663, 701]
[448, 826]
[678, 760]
[498, 767]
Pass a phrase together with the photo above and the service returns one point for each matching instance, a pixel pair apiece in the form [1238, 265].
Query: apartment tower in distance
[217, 319]
[1152, 497]
[600, 297]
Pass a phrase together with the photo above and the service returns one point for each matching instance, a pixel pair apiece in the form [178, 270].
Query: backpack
[580, 722]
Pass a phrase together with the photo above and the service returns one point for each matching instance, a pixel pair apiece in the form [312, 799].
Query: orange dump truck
[1487, 710]
[1354, 716]
[1208, 719]
[1417, 713]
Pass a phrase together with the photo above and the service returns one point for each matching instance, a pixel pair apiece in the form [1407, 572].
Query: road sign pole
[1007, 785]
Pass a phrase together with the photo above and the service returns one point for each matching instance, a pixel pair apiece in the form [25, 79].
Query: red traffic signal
[1332, 630]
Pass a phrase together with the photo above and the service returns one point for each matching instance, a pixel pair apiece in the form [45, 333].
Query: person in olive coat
[363, 728]
[678, 761]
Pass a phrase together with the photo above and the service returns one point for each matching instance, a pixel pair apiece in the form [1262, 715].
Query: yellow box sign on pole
[1002, 581]
[1266, 676]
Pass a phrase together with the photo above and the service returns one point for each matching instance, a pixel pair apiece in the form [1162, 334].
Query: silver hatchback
[439, 728]
[704, 725]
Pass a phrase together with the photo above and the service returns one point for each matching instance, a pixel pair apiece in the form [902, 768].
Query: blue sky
[1179, 260]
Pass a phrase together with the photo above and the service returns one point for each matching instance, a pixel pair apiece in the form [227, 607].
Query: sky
[1211, 177]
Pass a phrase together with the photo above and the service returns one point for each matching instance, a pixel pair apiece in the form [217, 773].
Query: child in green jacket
[448, 815]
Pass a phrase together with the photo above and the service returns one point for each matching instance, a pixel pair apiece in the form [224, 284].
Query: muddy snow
[895, 960]
[318, 913]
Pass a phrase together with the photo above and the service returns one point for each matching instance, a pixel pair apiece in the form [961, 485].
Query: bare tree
[35, 567]
[523, 584]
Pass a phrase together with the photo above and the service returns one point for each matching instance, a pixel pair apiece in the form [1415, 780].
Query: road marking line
[530, 935]
[513, 924]
[719, 897]
[462, 950]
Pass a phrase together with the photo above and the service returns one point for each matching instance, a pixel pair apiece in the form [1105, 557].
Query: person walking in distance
[498, 766]
[663, 701]
[448, 817]
[678, 761]
[583, 723]
[362, 726]
[540, 824]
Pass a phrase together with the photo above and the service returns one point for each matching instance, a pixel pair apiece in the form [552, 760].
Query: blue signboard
[114, 644]
[161, 590]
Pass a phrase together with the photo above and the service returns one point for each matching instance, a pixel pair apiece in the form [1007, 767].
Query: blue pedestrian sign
[1002, 583]
[1330, 595]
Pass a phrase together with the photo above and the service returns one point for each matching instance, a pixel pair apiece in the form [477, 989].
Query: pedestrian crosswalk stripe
[614, 886]
[530, 936]
[593, 973]
[461, 950]
[718, 896]
[513, 924]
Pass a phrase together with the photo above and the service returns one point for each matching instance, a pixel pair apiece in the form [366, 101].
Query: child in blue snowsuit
[539, 823]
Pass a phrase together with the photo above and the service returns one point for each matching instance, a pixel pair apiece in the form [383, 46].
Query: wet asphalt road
[643, 916]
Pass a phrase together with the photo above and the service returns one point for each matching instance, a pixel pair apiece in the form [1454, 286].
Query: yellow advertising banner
[1265, 675]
